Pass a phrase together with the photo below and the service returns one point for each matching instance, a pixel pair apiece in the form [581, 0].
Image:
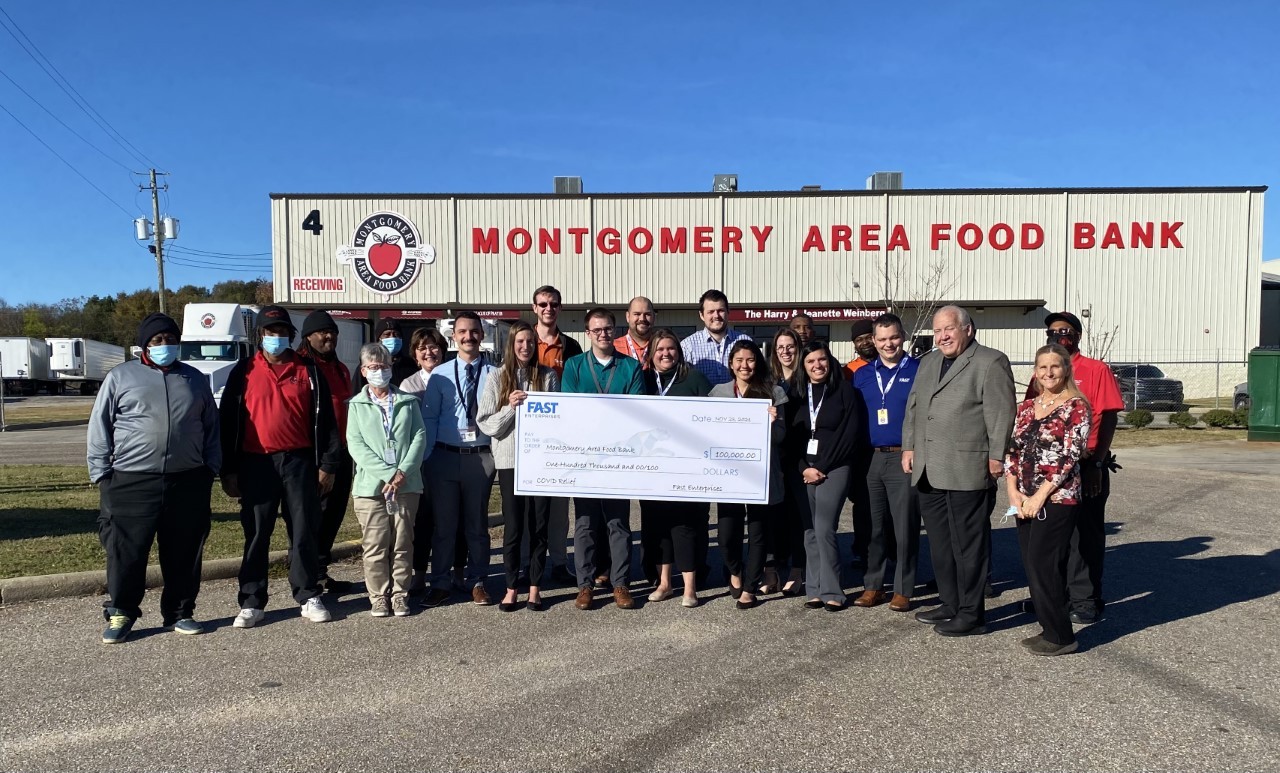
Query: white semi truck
[215, 336]
[24, 366]
[82, 362]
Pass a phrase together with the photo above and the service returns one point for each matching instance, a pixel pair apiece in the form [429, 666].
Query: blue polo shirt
[897, 383]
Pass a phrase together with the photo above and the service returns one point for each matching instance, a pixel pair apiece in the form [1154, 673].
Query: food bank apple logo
[386, 253]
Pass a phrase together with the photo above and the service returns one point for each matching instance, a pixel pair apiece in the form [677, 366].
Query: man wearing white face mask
[403, 365]
[153, 451]
[279, 437]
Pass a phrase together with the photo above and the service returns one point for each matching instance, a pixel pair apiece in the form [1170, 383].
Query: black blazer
[841, 427]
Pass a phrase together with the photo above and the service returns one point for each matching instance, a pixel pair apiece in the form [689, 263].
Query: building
[1162, 275]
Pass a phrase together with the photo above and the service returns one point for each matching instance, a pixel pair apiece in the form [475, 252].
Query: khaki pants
[387, 544]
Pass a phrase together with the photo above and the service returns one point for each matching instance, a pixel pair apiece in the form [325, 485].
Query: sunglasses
[1065, 332]
[548, 304]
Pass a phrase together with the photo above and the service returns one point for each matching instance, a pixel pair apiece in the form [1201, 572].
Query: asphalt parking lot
[1183, 672]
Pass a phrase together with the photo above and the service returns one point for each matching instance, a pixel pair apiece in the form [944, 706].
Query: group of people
[416, 441]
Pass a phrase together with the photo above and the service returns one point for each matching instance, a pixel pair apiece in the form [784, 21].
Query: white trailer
[26, 366]
[82, 362]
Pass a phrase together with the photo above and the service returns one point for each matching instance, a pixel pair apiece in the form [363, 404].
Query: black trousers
[1088, 547]
[1045, 545]
[333, 508]
[424, 526]
[522, 515]
[958, 523]
[283, 482]
[674, 533]
[894, 511]
[786, 539]
[732, 520]
[861, 500]
[139, 508]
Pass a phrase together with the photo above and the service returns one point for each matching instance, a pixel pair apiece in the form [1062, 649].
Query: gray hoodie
[151, 420]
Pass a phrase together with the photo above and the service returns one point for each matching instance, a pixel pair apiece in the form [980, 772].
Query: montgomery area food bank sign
[832, 249]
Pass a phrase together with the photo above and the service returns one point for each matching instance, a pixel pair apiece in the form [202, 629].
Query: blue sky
[237, 100]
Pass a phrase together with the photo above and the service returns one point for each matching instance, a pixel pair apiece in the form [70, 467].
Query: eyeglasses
[430, 348]
[601, 332]
[548, 304]
[1065, 332]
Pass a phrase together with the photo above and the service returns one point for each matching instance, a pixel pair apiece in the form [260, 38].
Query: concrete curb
[52, 586]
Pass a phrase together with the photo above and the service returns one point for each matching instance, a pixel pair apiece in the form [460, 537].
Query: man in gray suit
[958, 418]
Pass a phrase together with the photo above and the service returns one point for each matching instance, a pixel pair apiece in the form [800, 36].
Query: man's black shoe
[934, 616]
[957, 628]
[436, 597]
[1084, 616]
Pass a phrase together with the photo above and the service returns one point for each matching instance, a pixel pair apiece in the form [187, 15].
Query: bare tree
[1098, 342]
[913, 298]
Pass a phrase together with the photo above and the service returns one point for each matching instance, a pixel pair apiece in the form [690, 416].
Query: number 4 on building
[312, 223]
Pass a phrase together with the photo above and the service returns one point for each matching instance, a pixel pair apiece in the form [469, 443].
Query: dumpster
[1264, 393]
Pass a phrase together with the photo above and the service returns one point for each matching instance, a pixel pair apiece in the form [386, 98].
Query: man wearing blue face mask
[389, 334]
[153, 450]
[279, 438]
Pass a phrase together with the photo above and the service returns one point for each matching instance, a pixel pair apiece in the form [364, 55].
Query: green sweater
[367, 439]
[694, 384]
[622, 376]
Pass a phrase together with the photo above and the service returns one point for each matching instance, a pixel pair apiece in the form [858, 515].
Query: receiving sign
[708, 449]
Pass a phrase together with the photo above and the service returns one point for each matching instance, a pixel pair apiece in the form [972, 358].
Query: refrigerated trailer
[26, 366]
[82, 362]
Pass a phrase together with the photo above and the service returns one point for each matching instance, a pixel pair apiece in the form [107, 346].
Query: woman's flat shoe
[793, 588]
[661, 595]
[833, 607]
[735, 592]
[534, 606]
[689, 602]
[813, 604]
[511, 607]
[747, 604]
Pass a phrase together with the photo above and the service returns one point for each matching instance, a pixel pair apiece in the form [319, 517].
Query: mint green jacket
[366, 441]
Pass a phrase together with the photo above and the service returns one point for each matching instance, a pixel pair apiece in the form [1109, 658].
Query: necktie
[471, 393]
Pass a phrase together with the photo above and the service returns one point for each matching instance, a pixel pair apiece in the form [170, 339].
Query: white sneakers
[315, 611]
[248, 618]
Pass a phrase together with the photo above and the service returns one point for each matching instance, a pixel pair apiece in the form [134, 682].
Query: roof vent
[568, 186]
[885, 181]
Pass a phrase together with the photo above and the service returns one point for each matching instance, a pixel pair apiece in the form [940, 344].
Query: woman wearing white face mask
[386, 438]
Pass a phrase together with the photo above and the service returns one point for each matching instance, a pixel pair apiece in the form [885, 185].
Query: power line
[215, 253]
[64, 124]
[216, 267]
[70, 166]
[76, 99]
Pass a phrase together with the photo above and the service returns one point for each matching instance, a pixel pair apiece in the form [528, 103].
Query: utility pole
[158, 231]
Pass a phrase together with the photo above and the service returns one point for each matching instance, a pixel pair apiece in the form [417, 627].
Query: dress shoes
[793, 588]
[436, 597]
[602, 581]
[505, 606]
[959, 628]
[535, 606]
[1046, 648]
[869, 598]
[935, 615]
[749, 604]
[1083, 617]
[622, 597]
[659, 595]
[583, 601]
[480, 596]
[900, 603]
[833, 607]
[813, 604]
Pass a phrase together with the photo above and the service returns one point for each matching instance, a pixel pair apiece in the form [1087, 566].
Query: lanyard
[662, 390]
[634, 349]
[591, 366]
[388, 413]
[721, 347]
[884, 391]
[814, 410]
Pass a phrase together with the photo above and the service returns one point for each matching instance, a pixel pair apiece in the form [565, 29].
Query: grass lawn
[19, 414]
[1141, 438]
[48, 522]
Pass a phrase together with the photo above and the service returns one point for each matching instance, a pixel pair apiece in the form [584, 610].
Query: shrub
[1219, 417]
[1242, 417]
[1183, 419]
[1139, 418]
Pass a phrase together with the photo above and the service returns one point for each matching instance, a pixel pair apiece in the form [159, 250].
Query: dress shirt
[709, 357]
[897, 381]
[444, 409]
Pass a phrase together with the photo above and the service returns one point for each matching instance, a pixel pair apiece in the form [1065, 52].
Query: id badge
[882, 417]
[812, 448]
[469, 435]
[389, 456]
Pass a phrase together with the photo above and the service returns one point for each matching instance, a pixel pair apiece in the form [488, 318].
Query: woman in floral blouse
[1042, 471]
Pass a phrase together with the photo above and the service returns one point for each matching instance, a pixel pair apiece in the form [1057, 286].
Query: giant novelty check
[711, 449]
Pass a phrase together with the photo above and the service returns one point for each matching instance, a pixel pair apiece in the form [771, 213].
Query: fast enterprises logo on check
[541, 409]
